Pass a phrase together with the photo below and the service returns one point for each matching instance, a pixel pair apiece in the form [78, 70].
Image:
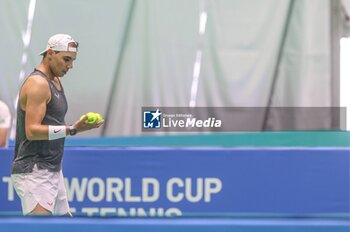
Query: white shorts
[41, 187]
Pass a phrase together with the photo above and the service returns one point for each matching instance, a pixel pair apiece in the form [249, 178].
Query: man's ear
[50, 51]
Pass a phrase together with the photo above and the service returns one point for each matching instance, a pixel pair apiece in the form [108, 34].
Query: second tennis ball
[99, 118]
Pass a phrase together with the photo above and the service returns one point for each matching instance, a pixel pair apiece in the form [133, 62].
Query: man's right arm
[34, 96]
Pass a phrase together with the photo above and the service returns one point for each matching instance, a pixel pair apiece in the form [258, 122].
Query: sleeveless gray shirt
[46, 154]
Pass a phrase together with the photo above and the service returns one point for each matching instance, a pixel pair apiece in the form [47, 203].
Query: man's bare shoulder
[35, 81]
[36, 87]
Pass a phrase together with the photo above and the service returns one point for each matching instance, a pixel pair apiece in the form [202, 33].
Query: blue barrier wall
[199, 181]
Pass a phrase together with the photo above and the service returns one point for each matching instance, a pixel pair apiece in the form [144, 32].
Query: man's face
[61, 62]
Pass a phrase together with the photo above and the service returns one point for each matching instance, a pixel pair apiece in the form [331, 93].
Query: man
[41, 130]
[5, 123]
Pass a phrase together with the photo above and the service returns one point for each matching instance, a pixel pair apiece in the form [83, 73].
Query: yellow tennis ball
[91, 118]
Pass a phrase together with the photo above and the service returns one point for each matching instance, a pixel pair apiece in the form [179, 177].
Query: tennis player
[36, 170]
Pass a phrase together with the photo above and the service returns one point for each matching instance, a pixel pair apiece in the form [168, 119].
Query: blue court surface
[20, 224]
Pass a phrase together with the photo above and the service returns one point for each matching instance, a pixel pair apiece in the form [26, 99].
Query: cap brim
[42, 53]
